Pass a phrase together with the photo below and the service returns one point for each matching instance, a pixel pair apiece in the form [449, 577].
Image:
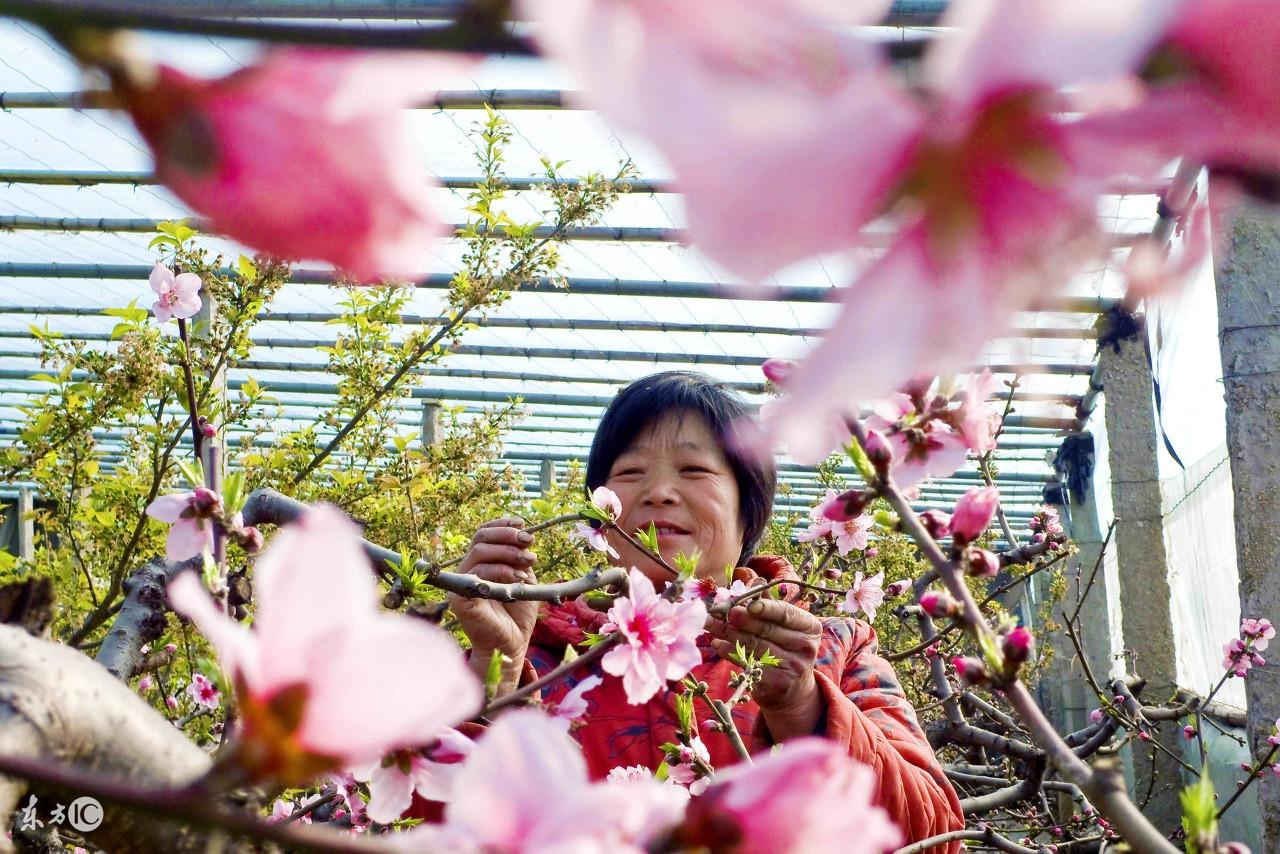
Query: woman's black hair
[644, 402]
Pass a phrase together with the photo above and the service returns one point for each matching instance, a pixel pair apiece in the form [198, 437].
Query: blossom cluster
[1241, 653]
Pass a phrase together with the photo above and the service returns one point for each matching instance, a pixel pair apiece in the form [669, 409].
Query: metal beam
[576, 286]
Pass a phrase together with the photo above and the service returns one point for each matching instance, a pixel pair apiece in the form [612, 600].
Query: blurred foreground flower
[302, 155]
[326, 679]
[527, 790]
[807, 796]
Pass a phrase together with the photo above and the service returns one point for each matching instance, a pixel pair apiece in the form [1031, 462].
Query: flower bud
[1234, 848]
[208, 430]
[250, 539]
[1018, 645]
[171, 648]
[980, 563]
[897, 588]
[1144, 735]
[1096, 716]
[973, 513]
[777, 371]
[171, 701]
[971, 671]
[937, 523]
[878, 451]
[145, 684]
[205, 501]
[1189, 732]
[845, 506]
[938, 604]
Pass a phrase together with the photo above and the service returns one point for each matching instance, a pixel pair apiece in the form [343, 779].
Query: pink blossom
[1239, 657]
[724, 595]
[974, 512]
[978, 422]
[171, 648]
[145, 684]
[658, 639]
[866, 595]
[819, 525]
[1096, 716]
[282, 809]
[701, 588]
[606, 500]
[171, 701]
[528, 791]
[385, 678]
[851, 534]
[594, 537]
[187, 513]
[304, 154]
[203, 692]
[629, 774]
[574, 704]
[685, 771]
[809, 795]
[921, 448]
[176, 296]
[1189, 732]
[1259, 631]
[393, 781]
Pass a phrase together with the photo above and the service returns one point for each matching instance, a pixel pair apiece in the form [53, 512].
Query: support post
[1145, 595]
[546, 476]
[430, 423]
[26, 525]
[1249, 337]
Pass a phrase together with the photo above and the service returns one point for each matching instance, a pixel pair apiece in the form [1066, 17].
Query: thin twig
[559, 672]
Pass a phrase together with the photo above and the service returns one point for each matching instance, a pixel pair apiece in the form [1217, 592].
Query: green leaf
[192, 471]
[1200, 814]
[245, 268]
[687, 565]
[493, 675]
[649, 538]
[684, 712]
[861, 462]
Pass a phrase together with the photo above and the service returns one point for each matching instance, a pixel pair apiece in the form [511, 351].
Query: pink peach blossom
[747, 101]
[187, 513]
[528, 793]
[574, 704]
[393, 781]
[176, 296]
[658, 639]
[203, 692]
[303, 154]
[866, 595]
[594, 537]
[326, 676]
[809, 795]
[606, 500]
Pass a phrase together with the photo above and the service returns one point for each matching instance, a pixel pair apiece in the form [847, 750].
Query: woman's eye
[626, 472]
[698, 469]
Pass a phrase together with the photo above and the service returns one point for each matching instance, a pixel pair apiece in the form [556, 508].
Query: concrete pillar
[26, 525]
[546, 476]
[1140, 553]
[1249, 334]
[431, 432]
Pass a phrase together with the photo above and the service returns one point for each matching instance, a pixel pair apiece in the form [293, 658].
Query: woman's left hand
[788, 693]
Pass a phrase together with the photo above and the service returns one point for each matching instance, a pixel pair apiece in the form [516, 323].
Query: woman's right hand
[500, 553]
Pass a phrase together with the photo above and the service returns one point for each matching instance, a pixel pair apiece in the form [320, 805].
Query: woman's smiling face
[676, 475]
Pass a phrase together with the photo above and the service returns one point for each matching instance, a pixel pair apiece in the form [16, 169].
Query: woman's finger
[784, 614]
[513, 556]
[510, 535]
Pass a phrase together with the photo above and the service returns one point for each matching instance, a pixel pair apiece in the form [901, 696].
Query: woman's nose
[659, 491]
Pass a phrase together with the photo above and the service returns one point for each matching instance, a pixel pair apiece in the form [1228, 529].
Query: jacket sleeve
[867, 711]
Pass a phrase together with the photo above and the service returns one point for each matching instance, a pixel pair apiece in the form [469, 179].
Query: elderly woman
[662, 448]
